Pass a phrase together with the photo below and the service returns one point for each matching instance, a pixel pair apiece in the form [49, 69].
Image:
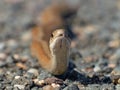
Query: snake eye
[51, 35]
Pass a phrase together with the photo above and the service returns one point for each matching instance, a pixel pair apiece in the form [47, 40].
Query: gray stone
[34, 88]
[44, 74]
[2, 63]
[71, 87]
[116, 71]
[107, 87]
[9, 88]
[93, 87]
[13, 44]
[3, 56]
[2, 45]
[19, 86]
[23, 82]
[117, 87]
[33, 71]
[9, 60]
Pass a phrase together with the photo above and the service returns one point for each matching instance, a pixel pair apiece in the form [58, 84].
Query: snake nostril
[61, 34]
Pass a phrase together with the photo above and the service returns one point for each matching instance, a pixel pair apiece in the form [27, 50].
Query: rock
[93, 87]
[44, 74]
[97, 68]
[9, 60]
[19, 86]
[26, 37]
[39, 82]
[33, 71]
[49, 81]
[102, 63]
[22, 82]
[107, 87]
[2, 63]
[49, 87]
[52, 80]
[21, 65]
[117, 87]
[13, 44]
[71, 87]
[2, 46]
[30, 75]
[81, 87]
[106, 80]
[16, 57]
[24, 58]
[114, 43]
[115, 57]
[115, 79]
[9, 88]
[34, 88]
[77, 75]
[17, 77]
[116, 71]
[9, 76]
[3, 56]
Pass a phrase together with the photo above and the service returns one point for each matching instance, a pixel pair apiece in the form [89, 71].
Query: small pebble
[21, 65]
[34, 88]
[2, 63]
[13, 44]
[44, 74]
[33, 71]
[2, 45]
[116, 71]
[26, 36]
[53, 80]
[16, 57]
[117, 87]
[97, 69]
[55, 85]
[107, 87]
[115, 57]
[114, 44]
[39, 82]
[119, 81]
[9, 88]
[93, 87]
[19, 86]
[22, 82]
[9, 60]
[71, 87]
[3, 56]
[24, 58]
[115, 79]
[81, 87]
[49, 87]
[17, 77]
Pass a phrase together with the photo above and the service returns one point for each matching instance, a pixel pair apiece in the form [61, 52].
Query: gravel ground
[97, 25]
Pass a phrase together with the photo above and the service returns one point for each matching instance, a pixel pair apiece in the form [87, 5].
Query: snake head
[59, 40]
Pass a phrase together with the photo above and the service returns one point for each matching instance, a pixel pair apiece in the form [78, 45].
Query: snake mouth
[62, 42]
